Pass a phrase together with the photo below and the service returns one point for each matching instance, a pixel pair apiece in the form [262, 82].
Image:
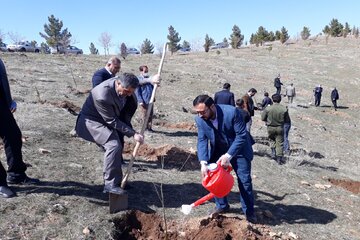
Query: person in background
[277, 84]
[240, 104]
[143, 94]
[275, 116]
[266, 101]
[334, 97]
[12, 138]
[110, 70]
[290, 92]
[250, 106]
[287, 126]
[225, 96]
[100, 122]
[317, 93]
[222, 129]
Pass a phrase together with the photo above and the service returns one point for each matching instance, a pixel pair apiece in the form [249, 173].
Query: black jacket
[224, 97]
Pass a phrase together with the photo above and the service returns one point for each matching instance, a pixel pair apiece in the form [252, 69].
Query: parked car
[3, 47]
[184, 49]
[23, 46]
[219, 45]
[132, 51]
[68, 50]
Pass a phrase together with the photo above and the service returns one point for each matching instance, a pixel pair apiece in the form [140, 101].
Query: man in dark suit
[12, 138]
[222, 128]
[317, 94]
[277, 84]
[100, 121]
[225, 96]
[110, 70]
[334, 97]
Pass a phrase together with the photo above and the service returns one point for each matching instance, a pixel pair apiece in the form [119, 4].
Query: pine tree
[147, 47]
[236, 39]
[123, 50]
[334, 29]
[185, 44]
[284, 36]
[44, 48]
[356, 33]
[208, 42]
[346, 30]
[226, 43]
[54, 35]
[305, 33]
[93, 49]
[174, 39]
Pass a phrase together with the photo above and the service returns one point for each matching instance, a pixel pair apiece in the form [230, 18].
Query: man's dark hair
[240, 102]
[226, 86]
[253, 90]
[266, 94]
[128, 80]
[276, 98]
[203, 99]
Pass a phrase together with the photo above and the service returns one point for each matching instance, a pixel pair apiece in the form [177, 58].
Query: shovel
[119, 202]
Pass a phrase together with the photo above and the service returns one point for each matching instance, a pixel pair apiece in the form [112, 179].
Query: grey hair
[113, 60]
[128, 80]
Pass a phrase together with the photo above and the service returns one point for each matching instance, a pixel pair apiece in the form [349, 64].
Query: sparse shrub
[218, 52]
[123, 50]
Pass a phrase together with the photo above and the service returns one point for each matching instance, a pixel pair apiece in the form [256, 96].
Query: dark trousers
[286, 146]
[242, 168]
[11, 136]
[278, 90]
[334, 103]
[317, 100]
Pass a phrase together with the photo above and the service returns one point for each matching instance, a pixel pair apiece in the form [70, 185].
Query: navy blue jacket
[232, 128]
[100, 76]
[224, 97]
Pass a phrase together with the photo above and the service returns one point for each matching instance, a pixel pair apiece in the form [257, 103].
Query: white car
[132, 51]
[68, 50]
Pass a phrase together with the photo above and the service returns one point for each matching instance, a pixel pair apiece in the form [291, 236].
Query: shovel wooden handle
[150, 106]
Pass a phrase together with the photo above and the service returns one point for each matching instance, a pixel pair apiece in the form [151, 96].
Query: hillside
[315, 195]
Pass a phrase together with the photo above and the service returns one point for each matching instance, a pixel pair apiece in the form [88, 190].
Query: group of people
[318, 94]
[275, 115]
[223, 124]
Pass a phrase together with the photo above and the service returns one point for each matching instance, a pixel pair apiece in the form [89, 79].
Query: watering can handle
[228, 168]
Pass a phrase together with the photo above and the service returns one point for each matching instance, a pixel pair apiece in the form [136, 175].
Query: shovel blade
[118, 202]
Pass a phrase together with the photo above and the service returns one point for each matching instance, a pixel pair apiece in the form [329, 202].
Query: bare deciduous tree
[105, 41]
[15, 37]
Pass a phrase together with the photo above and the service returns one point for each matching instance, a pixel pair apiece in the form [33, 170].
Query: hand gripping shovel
[120, 202]
[151, 103]
[218, 182]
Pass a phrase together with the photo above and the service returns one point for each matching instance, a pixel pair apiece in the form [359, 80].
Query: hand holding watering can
[223, 161]
[217, 180]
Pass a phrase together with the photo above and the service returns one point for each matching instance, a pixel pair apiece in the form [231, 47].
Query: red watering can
[218, 182]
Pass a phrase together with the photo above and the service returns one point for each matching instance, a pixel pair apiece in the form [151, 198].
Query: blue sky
[132, 22]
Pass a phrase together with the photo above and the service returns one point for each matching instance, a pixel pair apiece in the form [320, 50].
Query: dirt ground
[315, 195]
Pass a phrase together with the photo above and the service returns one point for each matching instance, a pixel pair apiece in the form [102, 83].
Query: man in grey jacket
[99, 122]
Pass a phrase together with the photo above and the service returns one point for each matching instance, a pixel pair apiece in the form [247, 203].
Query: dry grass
[70, 197]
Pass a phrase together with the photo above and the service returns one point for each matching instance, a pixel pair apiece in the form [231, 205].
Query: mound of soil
[181, 125]
[352, 186]
[138, 225]
[170, 155]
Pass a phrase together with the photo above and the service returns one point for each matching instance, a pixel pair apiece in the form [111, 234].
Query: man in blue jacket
[222, 128]
[143, 94]
[110, 70]
[11, 136]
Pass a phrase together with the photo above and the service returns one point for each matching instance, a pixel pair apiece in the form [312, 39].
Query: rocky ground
[315, 195]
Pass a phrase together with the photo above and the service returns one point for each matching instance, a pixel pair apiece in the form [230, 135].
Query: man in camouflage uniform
[275, 116]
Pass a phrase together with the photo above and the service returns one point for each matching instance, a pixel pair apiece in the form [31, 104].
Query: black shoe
[251, 218]
[24, 180]
[218, 211]
[280, 160]
[115, 190]
[6, 192]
